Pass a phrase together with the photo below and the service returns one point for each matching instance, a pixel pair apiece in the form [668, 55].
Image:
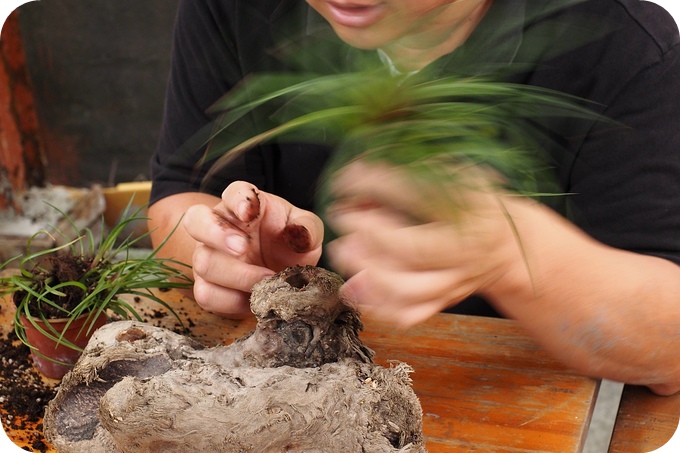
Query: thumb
[303, 231]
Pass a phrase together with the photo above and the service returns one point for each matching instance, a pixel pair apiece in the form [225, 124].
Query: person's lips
[354, 14]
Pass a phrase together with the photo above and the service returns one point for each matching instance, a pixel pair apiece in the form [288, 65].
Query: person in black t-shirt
[597, 285]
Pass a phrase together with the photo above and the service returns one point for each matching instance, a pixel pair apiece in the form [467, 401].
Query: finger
[221, 301]
[402, 316]
[303, 231]
[241, 200]
[415, 197]
[288, 235]
[415, 248]
[397, 288]
[349, 216]
[361, 230]
[204, 225]
[378, 183]
[346, 256]
[226, 271]
[379, 231]
[377, 286]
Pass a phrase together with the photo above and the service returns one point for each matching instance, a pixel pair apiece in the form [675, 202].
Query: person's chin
[363, 41]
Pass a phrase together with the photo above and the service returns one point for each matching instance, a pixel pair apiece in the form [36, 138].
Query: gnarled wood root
[302, 381]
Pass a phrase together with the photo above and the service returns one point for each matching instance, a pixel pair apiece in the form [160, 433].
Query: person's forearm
[606, 312]
[165, 214]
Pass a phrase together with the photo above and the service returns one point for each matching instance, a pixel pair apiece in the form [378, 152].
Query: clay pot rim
[58, 320]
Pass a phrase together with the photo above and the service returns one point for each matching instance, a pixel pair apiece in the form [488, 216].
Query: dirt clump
[23, 393]
[53, 270]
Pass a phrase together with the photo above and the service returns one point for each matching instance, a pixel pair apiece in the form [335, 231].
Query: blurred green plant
[432, 127]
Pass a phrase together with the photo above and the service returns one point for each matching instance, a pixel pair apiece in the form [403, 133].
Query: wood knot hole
[298, 280]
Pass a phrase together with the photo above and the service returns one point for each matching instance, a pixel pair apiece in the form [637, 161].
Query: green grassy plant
[432, 127]
[87, 276]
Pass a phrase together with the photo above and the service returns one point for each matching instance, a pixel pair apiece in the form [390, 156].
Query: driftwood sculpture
[302, 381]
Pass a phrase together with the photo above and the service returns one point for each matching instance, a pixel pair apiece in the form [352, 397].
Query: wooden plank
[498, 390]
[645, 422]
[483, 383]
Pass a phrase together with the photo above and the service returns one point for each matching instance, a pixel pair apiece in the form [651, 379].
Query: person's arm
[604, 311]
[167, 213]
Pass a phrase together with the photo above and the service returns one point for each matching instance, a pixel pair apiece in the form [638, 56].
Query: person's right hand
[250, 235]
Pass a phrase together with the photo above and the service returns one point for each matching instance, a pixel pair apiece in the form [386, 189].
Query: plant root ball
[302, 381]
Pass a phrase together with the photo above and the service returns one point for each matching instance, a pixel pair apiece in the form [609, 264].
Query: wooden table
[645, 421]
[483, 383]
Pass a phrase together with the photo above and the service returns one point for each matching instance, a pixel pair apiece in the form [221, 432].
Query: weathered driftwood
[302, 381]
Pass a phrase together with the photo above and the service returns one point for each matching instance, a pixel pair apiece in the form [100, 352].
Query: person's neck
[446, 30]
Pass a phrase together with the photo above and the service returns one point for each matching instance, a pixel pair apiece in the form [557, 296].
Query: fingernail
[236, 244]
[297, 238]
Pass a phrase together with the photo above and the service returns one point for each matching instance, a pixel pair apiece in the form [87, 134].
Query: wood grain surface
[645, 422]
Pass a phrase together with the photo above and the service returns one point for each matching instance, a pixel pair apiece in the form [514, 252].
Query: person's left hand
[405, 270]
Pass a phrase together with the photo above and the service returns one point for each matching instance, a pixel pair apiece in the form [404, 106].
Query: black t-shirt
[623, 55]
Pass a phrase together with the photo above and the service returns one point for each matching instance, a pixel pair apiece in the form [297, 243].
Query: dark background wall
[98, 69]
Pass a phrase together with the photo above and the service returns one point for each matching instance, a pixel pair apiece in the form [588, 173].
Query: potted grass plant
[63, 294]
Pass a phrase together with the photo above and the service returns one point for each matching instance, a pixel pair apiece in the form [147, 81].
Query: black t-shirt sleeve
[622, 174]
[627, 179]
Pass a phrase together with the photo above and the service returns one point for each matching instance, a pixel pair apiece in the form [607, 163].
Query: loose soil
[58, 269]
[23, 393]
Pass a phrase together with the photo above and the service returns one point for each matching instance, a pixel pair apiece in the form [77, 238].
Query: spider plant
[86, 277]
[432, 127]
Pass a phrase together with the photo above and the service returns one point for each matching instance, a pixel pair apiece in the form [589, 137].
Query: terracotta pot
[49, 348]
